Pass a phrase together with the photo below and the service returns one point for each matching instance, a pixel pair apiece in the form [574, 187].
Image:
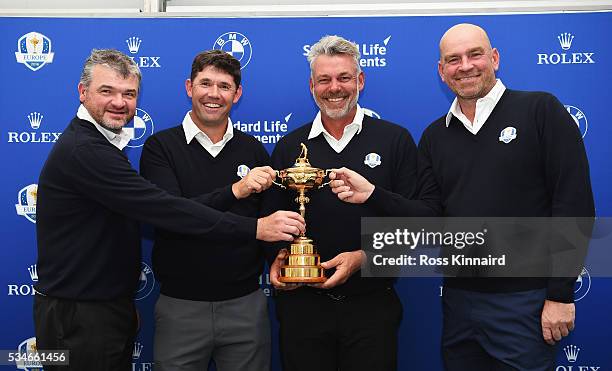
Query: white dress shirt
[119, 140]
[484, 107]
[193, 131]
[349, 131]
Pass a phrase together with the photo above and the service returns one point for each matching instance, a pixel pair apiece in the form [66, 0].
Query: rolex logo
[571, 353]
[565, 40]
[133, 44]
[35, 119]
[33, 272]
[137, 350]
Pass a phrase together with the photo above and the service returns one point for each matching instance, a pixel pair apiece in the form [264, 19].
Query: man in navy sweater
[210, 304]
[90, 201]
[496, 153]
[349, 322]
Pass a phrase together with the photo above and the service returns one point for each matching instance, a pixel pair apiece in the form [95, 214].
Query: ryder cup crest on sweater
[507, 135]
[242, 171]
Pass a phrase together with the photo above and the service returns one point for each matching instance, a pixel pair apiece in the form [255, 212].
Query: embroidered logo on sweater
[372, 160]
[507, 135]
[242, 170]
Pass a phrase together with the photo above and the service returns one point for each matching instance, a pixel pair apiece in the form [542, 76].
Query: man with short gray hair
[90, 202]
[349, 322]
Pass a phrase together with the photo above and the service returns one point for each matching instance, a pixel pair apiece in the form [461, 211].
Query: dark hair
[218, 59]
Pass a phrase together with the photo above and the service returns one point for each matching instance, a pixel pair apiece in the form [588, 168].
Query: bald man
[496, 153]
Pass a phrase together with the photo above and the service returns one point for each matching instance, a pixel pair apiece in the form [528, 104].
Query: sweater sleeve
[415, 191]
[156, 167]
[105, 174]
[567, 176]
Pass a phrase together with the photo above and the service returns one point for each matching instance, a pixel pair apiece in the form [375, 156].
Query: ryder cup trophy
[303, 264]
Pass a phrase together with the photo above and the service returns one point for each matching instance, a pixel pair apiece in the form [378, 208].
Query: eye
[345, 79]
[225, 87]
[206, 84]
[130, 95]
[323, 81]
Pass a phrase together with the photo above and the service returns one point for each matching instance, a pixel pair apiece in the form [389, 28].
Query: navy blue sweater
[204, 267]
[335, 225]
[90, 200]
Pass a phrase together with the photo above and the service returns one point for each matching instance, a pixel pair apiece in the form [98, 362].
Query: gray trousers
[234, 333]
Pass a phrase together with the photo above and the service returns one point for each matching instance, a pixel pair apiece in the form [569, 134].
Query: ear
[238, 94]
[440, 67]
[82, 89]
[188, 87]
[311, 84]
[361, 80]
[495, 58]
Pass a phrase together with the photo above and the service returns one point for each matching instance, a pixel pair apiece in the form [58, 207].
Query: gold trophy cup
[303, 264]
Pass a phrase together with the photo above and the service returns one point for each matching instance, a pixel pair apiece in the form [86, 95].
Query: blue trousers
[494, 331]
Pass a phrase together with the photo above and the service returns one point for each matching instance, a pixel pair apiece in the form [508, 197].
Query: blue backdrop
[41, 60]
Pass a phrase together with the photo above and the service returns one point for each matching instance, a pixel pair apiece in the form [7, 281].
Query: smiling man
[349, 322]
[90, 202]
[210, 304]
[497, 152]
[502, 152]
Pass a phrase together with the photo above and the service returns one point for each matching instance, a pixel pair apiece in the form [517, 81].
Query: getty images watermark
[485, 247]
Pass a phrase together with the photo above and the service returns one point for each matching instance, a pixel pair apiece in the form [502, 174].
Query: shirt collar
[192, 130]
[318, 128]
[491, 98]
[119, 140]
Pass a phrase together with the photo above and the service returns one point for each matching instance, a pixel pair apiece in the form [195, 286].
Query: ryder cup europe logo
[507, 135]
[139, 129]
[372, 160]
[26, 202]
[583, 285]
[34, 50]
[236, 45]
[146, 282]
[579, 118]
[28, 356]
[242, 170]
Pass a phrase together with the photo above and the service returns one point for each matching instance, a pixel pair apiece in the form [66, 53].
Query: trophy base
[306, 280]
[302, 265]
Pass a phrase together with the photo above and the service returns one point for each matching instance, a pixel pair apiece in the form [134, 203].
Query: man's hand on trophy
[350, 186]
[280, 226]
[346, 264]
[275, 273]
[257, 180]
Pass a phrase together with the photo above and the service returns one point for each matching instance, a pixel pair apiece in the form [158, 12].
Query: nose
[465, 63]
[118, 100]
[334, 85]
[213, 91]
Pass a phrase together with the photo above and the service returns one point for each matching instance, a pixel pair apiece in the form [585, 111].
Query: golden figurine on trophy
[303, 264]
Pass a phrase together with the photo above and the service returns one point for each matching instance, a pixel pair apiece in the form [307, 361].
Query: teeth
[335, 99]
[212, 105]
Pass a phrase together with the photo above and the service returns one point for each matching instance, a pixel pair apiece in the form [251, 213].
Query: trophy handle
[278, 176]
[327, 171]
